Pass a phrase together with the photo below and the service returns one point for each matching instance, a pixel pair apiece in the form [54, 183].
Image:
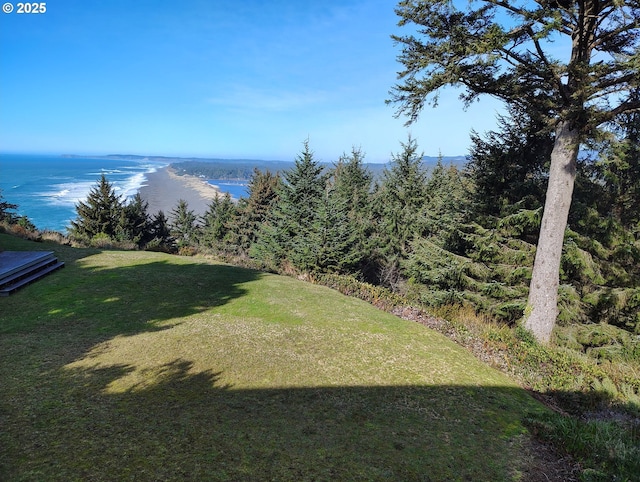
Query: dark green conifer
[253, 210]
[400, 199]
[288, 233]
[508, 166]
[134, 221]
[183, 224]
[217, 219]
[352, 191]
[100, 213]
[620, 170]
[334, 237]
[160, 233]
[447, 207]
[5, 207]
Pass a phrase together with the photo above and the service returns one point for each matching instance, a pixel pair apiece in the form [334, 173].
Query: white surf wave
[126, 182]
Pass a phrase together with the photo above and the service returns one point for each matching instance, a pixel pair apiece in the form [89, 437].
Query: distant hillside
[242, 169]
[232, 169]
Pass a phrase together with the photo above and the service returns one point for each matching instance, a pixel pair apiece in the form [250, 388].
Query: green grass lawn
[145, 366]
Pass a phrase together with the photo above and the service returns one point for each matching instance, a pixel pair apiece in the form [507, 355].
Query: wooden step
[25, 270]
[35, 275]
[19, 268]
[12, 262]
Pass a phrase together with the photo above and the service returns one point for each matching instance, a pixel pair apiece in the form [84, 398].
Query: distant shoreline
[458, 160]
[169, 159]
[164, 188]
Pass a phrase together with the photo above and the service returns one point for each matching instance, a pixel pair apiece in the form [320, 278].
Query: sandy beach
[164, 189]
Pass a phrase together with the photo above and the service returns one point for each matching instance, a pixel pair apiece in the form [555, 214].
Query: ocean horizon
[47, 188]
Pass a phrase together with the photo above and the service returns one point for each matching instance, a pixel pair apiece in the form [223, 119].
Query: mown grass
[144, 366]
[596, 417]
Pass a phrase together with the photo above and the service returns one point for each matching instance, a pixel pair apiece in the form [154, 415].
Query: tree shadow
[141, 297]
[104, 301]
[65, 421]
[186, 425]
[63, 317]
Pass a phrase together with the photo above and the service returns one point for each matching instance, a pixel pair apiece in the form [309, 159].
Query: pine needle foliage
[183, 224]
[289, 233]
[253, 210]
[5, 208]
[351, 185]
[160, 234]
[135, 222]
[217, 221]
[401, 196]
[100, 213]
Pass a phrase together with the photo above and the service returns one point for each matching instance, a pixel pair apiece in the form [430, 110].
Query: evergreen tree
[183, 224]
[217, 219]
[352, 181]
[100, 213]
[289, 231]
[5, 207]
[508, 166]
[253, 210]
[620, 170]
[160, 232]
[400, 199]
[397, 204]
[508, 50]
[333, 239]
[352, 190]
[447, 207]
[134, 222]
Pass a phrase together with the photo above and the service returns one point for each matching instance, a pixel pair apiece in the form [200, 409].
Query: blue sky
[232, 79]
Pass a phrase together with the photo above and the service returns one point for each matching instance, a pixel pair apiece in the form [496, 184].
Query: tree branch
[625, 79]
[558, 80]
[628, 106]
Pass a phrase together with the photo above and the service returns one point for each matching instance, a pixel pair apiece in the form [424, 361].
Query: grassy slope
[136, 365]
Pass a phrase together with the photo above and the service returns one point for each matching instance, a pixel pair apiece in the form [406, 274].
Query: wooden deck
[19, 268]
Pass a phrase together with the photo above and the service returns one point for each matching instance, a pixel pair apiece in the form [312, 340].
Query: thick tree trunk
[542, 308]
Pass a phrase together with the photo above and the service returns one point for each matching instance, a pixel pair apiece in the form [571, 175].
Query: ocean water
[237, 189]
[47, 188]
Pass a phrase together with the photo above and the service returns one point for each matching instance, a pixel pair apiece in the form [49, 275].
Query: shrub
[187, 251]
[55, 237]
[603, 447]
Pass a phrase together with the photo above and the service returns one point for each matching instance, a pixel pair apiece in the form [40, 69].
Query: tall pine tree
[397, 206]
[5, 207]
[288, 233]
[134, 223]
[160, 233]
[100, 213]
[400, 199]
[509, 50]
[253, 210]
[509, 166]
[217, 219]
[183, 224]
[352, 187]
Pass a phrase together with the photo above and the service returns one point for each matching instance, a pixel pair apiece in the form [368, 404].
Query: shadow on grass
[62, 423]
[141, 297]
[104, 301]
[186, 426]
